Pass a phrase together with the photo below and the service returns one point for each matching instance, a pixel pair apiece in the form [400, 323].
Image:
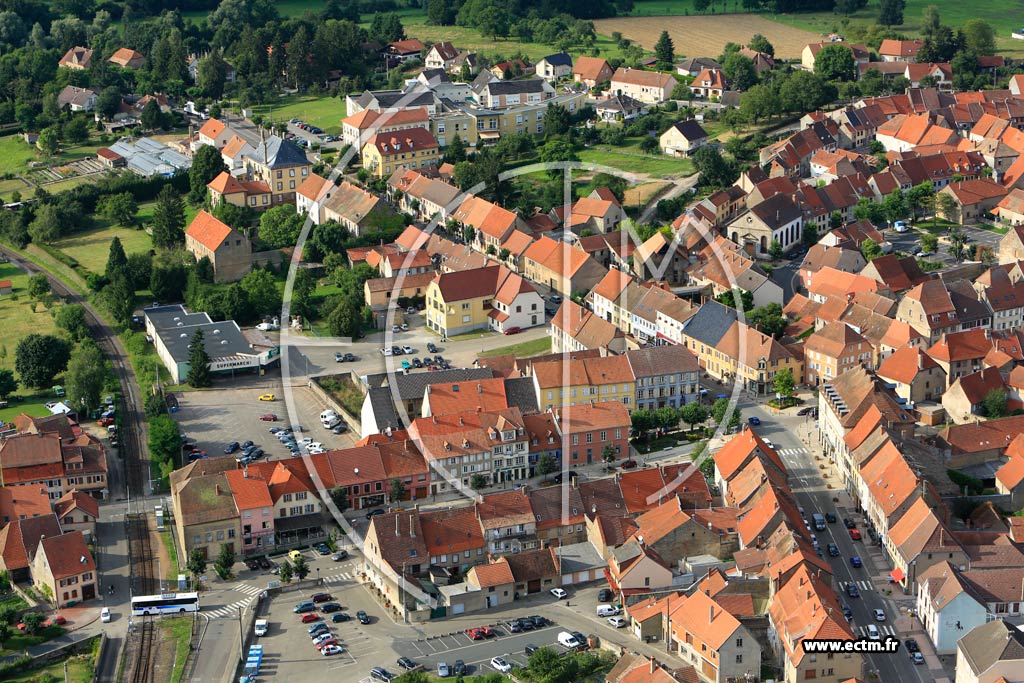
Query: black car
[407, 663]
[847, 612]
[231, 447]
[911, 645]
[530, 649]
[373, 513]
[830, 517]
[438, 359]
[431, 348]
[379, 673]
[363, 617]
[256, 454]
[396, 351]
[340, 429]
[329, 607]
[459, 668]
[417, 363]
[246, 444]
[852, 590]
[833, 550]
[849, 523]
[316, 630]
[252, 564]
[605, 595]
[350, 357]
[322, 549]
[341, 617]
[580, 638]
[248, 450]
[525, 624]
[538, 621]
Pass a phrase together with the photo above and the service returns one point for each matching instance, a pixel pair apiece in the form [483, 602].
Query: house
[395, 554]
[358, 210]
[77, 511]
[554, 67]
[356, 130]
[280, 164]
[76, 99]
[904, 132]
[942, 74]
[831, 350]
[235, 151]
[664, 375]
[762, 60]
[709, 83]
[76, 58]
[205, 516]
[59, 460]
[412, 148]
[364, 473]
[591, 71]
[561, 267]
[692, 67]
[5, 287]
[508, 522]
[919, 541]
[948, 606]
[596, 213]
[229, 251]
[19, 540]
[649, 87]
[215, 133]
[990, 653]
[500, 94]
[893, 50]
[579, 381]
[973, 199]
[683, 138]
[706, 634]
[1010, 211]
[1011, 245]
[441, 55]
[127, 58]
[64, 569]
[403, 50]
[965, 397]
[619, 108]
[310, 196]
[471, 61]
[914, 375]
[492, 297]
[392, 100]
[929, 309]
[861, 53]
[633, 567]
[454, 538]
[574, 328]
[255, 508]
[961, 353]
[592, 432]
[896, 274]
[253, 194]
[775, 220]
[674, 534]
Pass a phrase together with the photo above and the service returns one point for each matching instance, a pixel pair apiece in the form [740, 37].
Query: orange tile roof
[314, 187]
[448, 398]
[249, 492]
[966, 345]
[208, 231]
[505, 508]
[69, 502]
[495, 574]
[455, 530]
[212, 128]
[705, 619]
[125, 56]
[225, 183]
[589, 68]
[870, 421]
[889, 479]
[660, 521]
[641, 488]
[737, 451]
[904, 363]
[17, 502]
[1011, 473]
[67, 555]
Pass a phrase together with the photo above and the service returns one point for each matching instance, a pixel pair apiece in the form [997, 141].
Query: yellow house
[480, 298]
[583, 381]
[385, 153]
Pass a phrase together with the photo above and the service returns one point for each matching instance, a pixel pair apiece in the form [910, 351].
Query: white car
[407, 350]
[769, 444]
[332, 650]
[386, 351]
[873, 633]
[321, 638]
[105, 615]
[900, 226]
[617, 622]
[879, 615]
[559, 593]
[316, 451]
[501, 665]
[266, 327]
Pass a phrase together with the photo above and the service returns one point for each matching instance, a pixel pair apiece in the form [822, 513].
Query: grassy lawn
[478, 334]
[324, 112]
[20, 314]
[61, 185]
[80, 670]
[15, 154]
[936, 226]
[178, 631]
[525, 349]
[47, 262]
[637, 162]
[32, 406]
[993, 227]
[7, 187]
[92, 248]
[171, 572]
[21, 641]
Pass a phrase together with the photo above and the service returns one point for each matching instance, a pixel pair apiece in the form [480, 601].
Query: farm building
[5, 287]
[147, 157]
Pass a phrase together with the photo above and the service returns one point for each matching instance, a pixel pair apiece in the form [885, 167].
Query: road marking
[248, 589]
[792, 451]
[884, 630]
[228, 610]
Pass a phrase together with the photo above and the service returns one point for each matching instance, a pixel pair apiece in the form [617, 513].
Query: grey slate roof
[516, 87]
[710, 323]
[519, 392]
[691, 130]
[777, 211]
[996, 641]
[383, 100]
[651, 361]
[560, 59]
[383, 410]
[579, 557]
[275, 152]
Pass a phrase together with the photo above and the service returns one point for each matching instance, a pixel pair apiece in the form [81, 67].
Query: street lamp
[318, 576]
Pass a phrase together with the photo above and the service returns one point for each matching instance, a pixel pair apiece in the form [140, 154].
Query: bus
[168, 603]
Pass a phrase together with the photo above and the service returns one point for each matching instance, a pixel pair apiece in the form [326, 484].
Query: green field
[91, 248]
[15, 154]
[323, 112]
[636, 162]
[525, 349]
[79, 671]
[20, 314]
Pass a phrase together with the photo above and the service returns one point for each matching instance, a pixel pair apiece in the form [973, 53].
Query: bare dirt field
[705, 36]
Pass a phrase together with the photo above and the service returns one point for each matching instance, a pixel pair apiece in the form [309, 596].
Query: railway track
[143, 671]
[144, 579]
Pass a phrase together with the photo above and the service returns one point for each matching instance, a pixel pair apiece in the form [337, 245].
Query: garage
[458, 608]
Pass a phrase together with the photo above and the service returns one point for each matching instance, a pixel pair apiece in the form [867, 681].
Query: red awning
[897, 575]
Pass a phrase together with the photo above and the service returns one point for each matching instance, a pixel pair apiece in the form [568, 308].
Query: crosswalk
[248, 589]
[787, 452]
[863, 585]
[883, 629]
[229, 610]
[340, 577]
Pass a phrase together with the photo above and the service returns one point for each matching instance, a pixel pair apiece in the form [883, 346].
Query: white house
[553, 67]
[947, 606]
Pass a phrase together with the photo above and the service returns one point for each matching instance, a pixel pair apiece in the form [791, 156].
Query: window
[291, 172]
[739, 642]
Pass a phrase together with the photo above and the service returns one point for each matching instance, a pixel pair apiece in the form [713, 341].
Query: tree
[211, 74]
[108, 102]
[85, 376]
[715, 171]
[929, 243]
[994, 403]
[979, 37]
[32, 621]
[262, 290]
[164, 439]
[608, 453]
[169, 218]
[870, 249]
[746, 299]
[946, 206]
[455, 152]
[759, 43]
[835, 62]
[721, 408]
[8, 385]
[345, 320]
[921, 197]
[196, 563]
[890, 12]
[805, 91]
[120, 298]
[38, 286]
[117, 262]
[867, 210]
[280, 227]
[775, 249]
[397, 491]
[784, 384]
[118, 208]
[286, 572]
[768, 319]
[6, 631]
[76, 130]
[894, 206]
[71, 319]
[740, 71]
[225, 560]
[664, 51]
[199, 362]
[759, 102]
[207, 164]
[47, 226]
[48, 141]
[931, 22]
[38, 358]
[477, 482]
[557, 120]
[300, 567]
[693, 414]
[546, 464]
[151, 117]
[339, 496]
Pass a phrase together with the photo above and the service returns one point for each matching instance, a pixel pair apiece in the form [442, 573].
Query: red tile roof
[455, 530]
[69, 502]
[67, 555]
[208, 231]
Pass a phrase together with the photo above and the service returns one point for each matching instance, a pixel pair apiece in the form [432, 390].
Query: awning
[897, 575]
[489, 134]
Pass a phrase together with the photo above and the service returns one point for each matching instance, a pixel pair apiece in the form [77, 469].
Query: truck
[260, 627]
[819, 521]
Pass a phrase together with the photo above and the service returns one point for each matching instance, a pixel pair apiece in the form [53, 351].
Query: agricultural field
[92, 247]
[706, 35]
[323, 112]
[21, 315]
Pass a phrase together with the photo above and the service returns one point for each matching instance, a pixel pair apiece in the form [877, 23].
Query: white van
[260, 627]
[568, 640]
[608, 611]
[327, 416]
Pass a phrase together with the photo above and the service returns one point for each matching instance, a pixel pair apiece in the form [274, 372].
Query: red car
[105, 422]
[628, 464]
[487, 631]
[269, 417]
[310, 616]
[475, 633]
[58, 620]
[324, 643]
[854, 534]
[513, 330]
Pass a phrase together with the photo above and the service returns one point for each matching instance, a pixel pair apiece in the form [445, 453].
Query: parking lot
[214, 419]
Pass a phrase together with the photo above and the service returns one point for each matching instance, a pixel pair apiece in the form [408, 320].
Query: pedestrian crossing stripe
[248, 589]
[883, 629]
[863, 585]
[338, 578]
[228, 610]
[792, 451]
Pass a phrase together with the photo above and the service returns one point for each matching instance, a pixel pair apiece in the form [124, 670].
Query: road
[791, 436]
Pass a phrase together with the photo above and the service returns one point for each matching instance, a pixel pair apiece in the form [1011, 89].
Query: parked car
[854, 535]
[513, 330]
[605, 595]
[340, 428]
[459, 669]
[379, 673]
[617, 622]
[488, 631]
[269, 417]
[442, 670]
[329, 607]
[373, 513]
[105, 615]
[474, 633]
[559, 593]
[321, 597]
[628, 464]
[830, 517]
[310, 617]
[911, 645]
[917, 658]
[363, 617]
[340, 555]
[246, 445]
[849, 523]
[513, 626]
[322, 549]
[407, 663]
[501, 665]
[231, 447]
[267, 397]
[431, 347]
[407, 349]
[332, 650]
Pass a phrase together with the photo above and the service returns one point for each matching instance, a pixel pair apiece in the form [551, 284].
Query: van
[294, 555]
[305, 606]
[328, 415]
[819, 521]
[260, 627]
[568, 640]
[608, 611]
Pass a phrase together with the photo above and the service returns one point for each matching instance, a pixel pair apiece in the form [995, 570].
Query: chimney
[711, 614]
[652, 666]
[216, 488]
[479, 388]
[412, 528]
